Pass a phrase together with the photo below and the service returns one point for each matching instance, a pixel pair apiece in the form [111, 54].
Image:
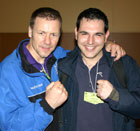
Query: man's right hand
[56, 94]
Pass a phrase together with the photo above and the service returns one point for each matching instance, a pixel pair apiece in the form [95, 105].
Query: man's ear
[107, 35]
[29, 32]
[75, 30]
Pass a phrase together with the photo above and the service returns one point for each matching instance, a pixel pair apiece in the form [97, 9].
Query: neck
[34, 55]
[91, 62]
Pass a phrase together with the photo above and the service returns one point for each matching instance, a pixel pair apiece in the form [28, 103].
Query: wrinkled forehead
[43, 22]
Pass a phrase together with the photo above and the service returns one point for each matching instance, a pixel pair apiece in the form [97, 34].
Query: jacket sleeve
[20, 114]
[128, 101]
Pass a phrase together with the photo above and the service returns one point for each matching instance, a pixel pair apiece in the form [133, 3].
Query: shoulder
[60, 52]
[9, 62]
[130, 65]
[129, 61]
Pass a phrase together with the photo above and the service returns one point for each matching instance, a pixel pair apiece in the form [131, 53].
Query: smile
[89, 48]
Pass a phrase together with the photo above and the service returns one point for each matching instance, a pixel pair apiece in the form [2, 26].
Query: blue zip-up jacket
[124, 102]
[22, 107]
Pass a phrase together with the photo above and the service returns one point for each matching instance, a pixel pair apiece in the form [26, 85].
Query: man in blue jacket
[30, 90]
[97, 101]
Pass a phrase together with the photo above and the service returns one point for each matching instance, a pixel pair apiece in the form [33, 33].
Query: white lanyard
[97, 69]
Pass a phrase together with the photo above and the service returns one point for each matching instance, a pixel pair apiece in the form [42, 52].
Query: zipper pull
[44, 71]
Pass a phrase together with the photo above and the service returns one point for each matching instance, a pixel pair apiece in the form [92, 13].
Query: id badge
[91, 97]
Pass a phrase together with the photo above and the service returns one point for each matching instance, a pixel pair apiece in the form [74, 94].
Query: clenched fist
[56, 94]
[104, 89]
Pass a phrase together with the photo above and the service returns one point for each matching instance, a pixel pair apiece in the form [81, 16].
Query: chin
[90, 56]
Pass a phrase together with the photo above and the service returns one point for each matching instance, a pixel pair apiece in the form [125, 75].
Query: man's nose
[47, 39]
[91, 39]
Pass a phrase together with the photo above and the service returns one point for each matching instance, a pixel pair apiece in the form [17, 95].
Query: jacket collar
[71, 60]
[110, 59]
[28, 67]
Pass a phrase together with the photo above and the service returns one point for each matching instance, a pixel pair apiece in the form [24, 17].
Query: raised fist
[56, 94]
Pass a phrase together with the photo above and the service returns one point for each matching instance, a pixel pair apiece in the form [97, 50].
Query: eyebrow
[95, 33]
[100, 33]
[83, 32]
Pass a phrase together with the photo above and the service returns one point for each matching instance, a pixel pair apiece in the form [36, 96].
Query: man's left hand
[104, 89]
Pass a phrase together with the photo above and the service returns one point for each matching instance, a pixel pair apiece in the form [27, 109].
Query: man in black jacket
[97, 101]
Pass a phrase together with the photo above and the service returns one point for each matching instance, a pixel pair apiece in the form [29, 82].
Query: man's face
[43, 38]
[91, 38]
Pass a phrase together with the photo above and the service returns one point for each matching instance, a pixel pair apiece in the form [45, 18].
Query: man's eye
[99, 34]
[41, 33]
[83, 33]
[55, 34]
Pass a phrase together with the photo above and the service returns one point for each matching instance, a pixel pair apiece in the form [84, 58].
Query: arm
[116, 50]
[123, 100]
[18, 113]
[19, 117]
[56, 94]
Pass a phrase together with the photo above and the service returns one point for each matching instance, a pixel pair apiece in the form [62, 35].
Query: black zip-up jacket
[124, 102]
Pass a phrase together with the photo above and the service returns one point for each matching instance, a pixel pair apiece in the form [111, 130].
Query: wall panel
[130, 42]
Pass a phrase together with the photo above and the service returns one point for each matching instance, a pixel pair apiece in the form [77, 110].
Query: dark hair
[91, 14]
[45, 12]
